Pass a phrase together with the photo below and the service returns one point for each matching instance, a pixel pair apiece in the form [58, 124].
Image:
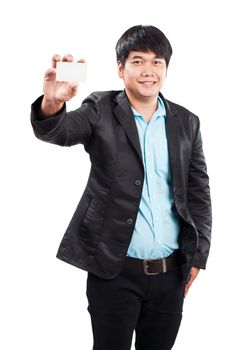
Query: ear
[166, 70]
[120, 70]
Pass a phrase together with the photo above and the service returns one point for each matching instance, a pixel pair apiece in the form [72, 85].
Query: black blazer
[101, 228]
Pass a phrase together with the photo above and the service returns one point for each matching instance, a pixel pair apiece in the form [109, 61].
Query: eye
[158, 62]
[137, 62]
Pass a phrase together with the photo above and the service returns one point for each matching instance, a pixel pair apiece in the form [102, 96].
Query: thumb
[73, 88]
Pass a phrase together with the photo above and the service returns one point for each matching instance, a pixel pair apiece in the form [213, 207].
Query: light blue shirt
[157, 226]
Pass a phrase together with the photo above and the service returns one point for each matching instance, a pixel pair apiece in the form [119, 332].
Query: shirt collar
[160, 111]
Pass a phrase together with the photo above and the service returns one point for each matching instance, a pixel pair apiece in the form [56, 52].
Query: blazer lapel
[124, 114]
[172, 125]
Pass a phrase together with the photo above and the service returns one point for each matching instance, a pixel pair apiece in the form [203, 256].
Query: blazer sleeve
[66, 128]
[199, 201]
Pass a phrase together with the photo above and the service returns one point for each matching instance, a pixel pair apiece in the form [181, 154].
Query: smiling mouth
[147, 83]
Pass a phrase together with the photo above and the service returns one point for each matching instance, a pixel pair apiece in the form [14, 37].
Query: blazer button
[137, 182]
[129, 221]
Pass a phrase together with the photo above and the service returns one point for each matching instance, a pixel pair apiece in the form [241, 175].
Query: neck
[146, 107]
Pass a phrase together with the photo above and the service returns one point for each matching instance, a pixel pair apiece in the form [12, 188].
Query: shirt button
[137, 182]
[129, 221]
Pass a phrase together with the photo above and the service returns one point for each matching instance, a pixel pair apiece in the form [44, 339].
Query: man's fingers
[193, 274]
[186, 288]
[67, 58]
[50, 74]
[56, 58]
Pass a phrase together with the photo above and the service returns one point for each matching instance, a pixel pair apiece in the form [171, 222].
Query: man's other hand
[193, 274]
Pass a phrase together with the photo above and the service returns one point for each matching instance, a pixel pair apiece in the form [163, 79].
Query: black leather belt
[154, 266]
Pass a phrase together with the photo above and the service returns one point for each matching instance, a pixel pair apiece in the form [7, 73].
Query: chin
[149, 94]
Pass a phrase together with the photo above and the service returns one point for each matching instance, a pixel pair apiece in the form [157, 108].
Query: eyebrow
[136, 56]
[141, 57]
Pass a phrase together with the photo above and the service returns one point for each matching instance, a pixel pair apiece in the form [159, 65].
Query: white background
[43, 300]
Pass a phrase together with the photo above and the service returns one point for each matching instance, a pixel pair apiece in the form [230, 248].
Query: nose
[147, 70]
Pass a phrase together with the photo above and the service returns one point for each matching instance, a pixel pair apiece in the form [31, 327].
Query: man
[142, 227]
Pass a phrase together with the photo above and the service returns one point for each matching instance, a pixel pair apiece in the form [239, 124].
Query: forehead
[143, 55]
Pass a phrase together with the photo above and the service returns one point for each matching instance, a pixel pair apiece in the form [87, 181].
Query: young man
[142, 227]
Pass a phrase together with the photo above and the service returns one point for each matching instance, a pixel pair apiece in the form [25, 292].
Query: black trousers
[149, 304]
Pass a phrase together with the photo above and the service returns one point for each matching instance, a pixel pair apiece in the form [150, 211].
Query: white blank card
[71, 71]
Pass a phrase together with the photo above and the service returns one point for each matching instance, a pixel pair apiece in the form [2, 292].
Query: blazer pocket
[94, 215]
[88, 212]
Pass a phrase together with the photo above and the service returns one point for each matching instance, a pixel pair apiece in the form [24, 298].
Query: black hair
[143, 38]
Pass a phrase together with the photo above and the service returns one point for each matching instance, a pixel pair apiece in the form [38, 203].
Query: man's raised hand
[57, 92]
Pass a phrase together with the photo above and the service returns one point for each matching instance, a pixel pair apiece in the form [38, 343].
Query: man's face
[143, 74]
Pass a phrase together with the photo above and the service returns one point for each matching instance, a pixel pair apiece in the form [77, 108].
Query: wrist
[50, 107]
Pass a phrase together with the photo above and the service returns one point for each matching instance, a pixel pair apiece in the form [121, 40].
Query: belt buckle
[145, 266]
